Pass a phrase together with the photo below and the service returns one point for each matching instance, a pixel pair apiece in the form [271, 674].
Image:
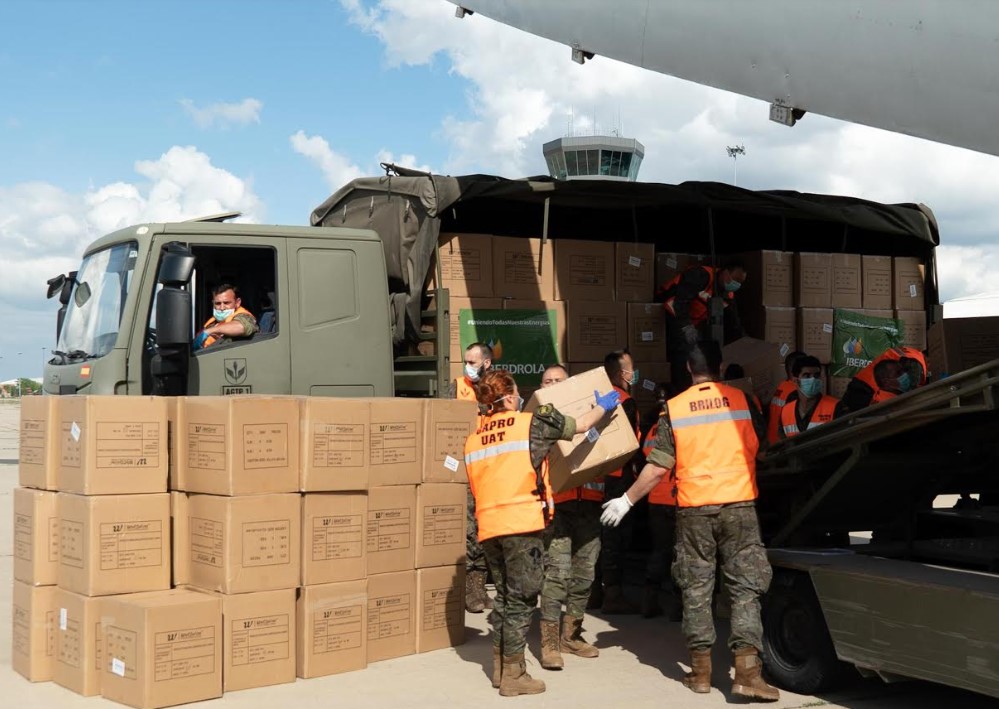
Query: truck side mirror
[169, 366]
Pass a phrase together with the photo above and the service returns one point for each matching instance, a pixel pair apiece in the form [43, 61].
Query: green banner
[859, 339]
[523, 341]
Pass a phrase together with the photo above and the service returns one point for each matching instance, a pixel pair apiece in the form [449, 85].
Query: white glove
[614, 511]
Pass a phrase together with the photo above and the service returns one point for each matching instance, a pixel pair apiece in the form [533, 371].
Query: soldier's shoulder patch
[545, 410]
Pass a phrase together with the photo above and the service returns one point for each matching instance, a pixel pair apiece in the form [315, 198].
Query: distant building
[594, 157]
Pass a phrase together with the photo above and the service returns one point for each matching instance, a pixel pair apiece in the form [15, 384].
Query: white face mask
[473, 373]
[222, 315]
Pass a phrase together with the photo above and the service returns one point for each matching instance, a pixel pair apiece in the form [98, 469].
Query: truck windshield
[94, 313]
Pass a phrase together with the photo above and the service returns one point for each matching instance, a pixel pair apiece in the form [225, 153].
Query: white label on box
[118, 667]
[647, 336]
[74, 431]
[671, 262]
[912, 290]
[826, 327]
[592, 435]
[635, 261]
[451, 464]
[648, 384]
[62, 619]
[784, 349]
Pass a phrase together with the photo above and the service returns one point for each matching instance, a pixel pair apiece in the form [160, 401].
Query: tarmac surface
[640, 664]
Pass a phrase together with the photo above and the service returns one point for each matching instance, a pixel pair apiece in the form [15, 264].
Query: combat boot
[615, 603]
[572, 638]
[699, 678]
[475, 591]
[515, 680]
[551, 655]
[497, 667]
[749, 680]
[650, 601]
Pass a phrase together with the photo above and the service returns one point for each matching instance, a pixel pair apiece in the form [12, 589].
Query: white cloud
[224, 114]
[336, 168]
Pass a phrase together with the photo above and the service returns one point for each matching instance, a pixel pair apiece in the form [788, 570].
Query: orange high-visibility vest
[777, 402]
[699, 307]
[638, 434]
[464, 389]
[822, 413]
[211, 339]
[866, 375]
[664, 493]
[715, 445]
[510, 496]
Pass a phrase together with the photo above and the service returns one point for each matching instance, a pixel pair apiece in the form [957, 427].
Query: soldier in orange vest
[710, 436]
[230, 320]
[506, 461]
[786, 391]
[898, 370]
[810, 408]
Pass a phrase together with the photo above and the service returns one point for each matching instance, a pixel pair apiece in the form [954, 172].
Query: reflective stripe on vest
[664, 493]
[638, 434]
[509, 499]
[211, 339]
[591, 491]
[780, 398]
[866, 375]
[716, 445]
[464, 390]
[822, 413]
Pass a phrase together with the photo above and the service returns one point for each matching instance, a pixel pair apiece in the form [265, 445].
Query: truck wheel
[798, 652]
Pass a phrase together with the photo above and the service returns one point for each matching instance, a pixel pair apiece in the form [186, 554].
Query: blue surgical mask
[904, 382]
[810, 387]
[223, 315]
[473, 373]
[634, 378]
[732, 286]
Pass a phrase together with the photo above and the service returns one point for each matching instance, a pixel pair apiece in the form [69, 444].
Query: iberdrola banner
[523, 341]
[860, 339]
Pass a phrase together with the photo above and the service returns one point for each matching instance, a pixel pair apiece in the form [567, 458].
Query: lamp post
[734, 151]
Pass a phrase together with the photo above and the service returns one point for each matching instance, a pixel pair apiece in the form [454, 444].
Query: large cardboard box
[180, 536]
[162, 649]
[847, 288]
[440, 524]
[670, 265]
[335, 444]
[650, 375]
[114, 543]
[815, 332]
[395, 442]
[465, 309]
[244, 544]
[332, 624]
[33, 626]
[239, 445]
[334, 537]
[813, 280]
[36, 536]
[776, 325]
[646, 331]
[913, 327]
[910, 276]
[448, 423]
[837, 386]
[392, 609]
[440, 593]
[584, 270]
[466, 262]
[79, 642]
[596, 329]
[113, 445]
[173, 451]
[634, 279]
[391, 530]
[549, 308]
[38, 451]
[769, 279]
[761, 361]
[587, 456]
[956, 344]
[523, 268]
[877, 282]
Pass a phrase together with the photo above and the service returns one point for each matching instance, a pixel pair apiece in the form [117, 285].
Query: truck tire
[798, 652]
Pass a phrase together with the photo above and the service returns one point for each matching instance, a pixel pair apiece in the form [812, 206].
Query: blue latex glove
[199, 341]
[607, 401]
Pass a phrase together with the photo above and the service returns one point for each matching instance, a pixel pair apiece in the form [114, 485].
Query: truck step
[416, 359]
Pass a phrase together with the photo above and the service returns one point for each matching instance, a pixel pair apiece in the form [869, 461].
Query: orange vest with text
[716, 445]
[510, 496]
[664, 493]
[866, 375]
[699, 307]
[638, 434]
[777, 402]
[464, 389]
[822, 413]
[211, 339]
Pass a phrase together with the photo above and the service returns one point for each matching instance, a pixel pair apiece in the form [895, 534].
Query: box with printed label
[244, 544]
[391, 530]
[112, 445]
[332, 623]
[847, 288]
[36, 536]
[245, 445]
[815, 332]
[646, 331]
[335, 440]
[651, 373]
[114, 543]
[448, 425]
[440, 524]
[180, 536]
[775, 325]
[595, 329]
[392, 609]
[584, 270]
[466, 262]
[876, 278]
[440, 614]
[33, 628]
[813, 280]
[38, 449]
[913, 328]
[161, 649]
[523, 268]
[762, 362]
[634, 280]
[334, 537]
[769, 279]
[395, 442]
[910, 275]
[173, 452]
[957, 344]
[464, 310]
[79, 642]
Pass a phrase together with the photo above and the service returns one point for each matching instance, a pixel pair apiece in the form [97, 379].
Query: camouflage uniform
[475, 558]
[571, 559]
[615, 540]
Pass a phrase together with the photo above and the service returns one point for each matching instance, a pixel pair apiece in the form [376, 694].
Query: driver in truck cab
[229, 318]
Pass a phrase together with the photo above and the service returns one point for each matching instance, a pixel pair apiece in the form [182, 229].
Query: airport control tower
[594, 157]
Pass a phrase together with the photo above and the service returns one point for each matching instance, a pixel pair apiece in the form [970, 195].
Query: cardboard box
[761, 361]
[957, 344]
[813, 280]
[847, 289]
[523, 268]
[595, 329]
[650, 375]
[244, 544]
[910, 276]
[395, 442]
[113, 445]
[448, 423]
[837, 386]
[33, 628]
[646, 331]
[775, 325]
[332, 622]
[769, 279]
[587, 456]
[180, 536]
[877, 313]
[36, 536]
[440, 524]
[79, 642]
[584, 270]
[466, 309]
[162, 649]
[575, 368]
[245, 445]
[334, 537]
[540, 306]
[670, 265]
[466, 262]
[391, 529]
[913, 327]
[634, 278]
[815, 332]
[173, 451]
[440, 593]
[877, 282]
[38, 451]
[114, 543]
[392, 609]
[335, 444]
